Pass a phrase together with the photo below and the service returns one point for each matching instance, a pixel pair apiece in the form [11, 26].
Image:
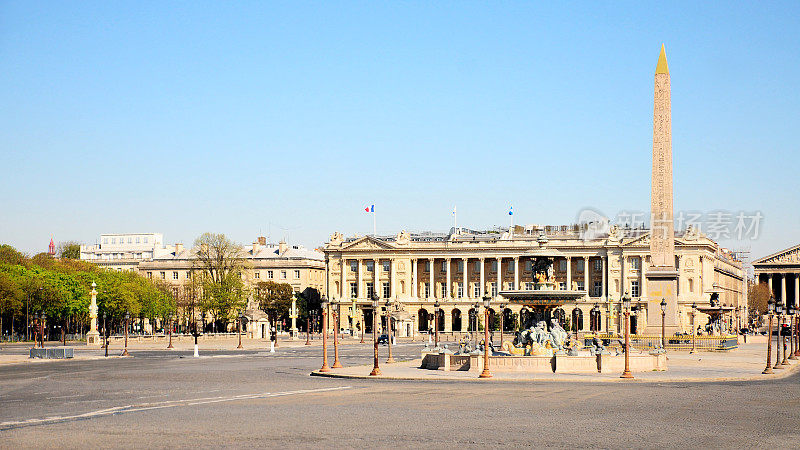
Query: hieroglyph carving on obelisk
[662, 246]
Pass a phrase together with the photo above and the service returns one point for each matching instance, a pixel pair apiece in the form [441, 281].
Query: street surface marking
[159, 405]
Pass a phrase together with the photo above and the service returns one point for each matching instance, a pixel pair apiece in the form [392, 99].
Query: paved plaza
[159, 398]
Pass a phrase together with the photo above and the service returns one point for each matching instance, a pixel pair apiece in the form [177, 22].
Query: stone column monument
[93, 337]
[662, 275]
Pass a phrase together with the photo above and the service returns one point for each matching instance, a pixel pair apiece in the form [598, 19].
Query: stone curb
[760, 377]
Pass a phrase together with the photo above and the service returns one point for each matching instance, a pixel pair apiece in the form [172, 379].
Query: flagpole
[374, 224]
[455, 219]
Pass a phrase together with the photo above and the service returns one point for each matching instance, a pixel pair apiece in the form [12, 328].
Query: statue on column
[93, 336]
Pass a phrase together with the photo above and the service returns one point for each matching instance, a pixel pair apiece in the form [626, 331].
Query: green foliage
[274, 298]
[69, 250]
[61, 289]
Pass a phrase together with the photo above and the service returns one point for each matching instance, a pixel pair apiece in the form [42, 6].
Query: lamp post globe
[626, 305]
[486, 347]
[375, 369]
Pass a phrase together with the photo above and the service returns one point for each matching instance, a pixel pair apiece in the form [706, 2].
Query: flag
[454, 210]
[370, 209]
[511, 211]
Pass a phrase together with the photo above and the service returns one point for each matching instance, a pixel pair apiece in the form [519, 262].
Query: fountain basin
[544, 364]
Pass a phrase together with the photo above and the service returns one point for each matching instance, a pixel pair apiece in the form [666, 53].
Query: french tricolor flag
[370, 209]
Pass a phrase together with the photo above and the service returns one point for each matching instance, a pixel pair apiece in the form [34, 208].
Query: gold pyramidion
[661, 67]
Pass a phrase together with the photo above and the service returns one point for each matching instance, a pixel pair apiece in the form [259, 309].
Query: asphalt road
[169, 399]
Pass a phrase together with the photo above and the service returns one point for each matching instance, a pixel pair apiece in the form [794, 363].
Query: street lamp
[239, 328]
[779, 323]
[694, 329]
[770, 311]
[596, 318]
[375, 369]
[325, 367]
[792, 349]
[171, 326]
[389, 360]
[626, 305]
[502, 308]
[308, 326]
[784, 362]
[436, 306]
[196, 334]
[41, 328]
[336, 314]
[663, 329]
[476, 307]
[127, 317]
[105, 333]
[486, 348]
[796, 335]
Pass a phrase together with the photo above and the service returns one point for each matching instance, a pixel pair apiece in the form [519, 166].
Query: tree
[220, 265]
[69, 250]
[757, 297]
[275, 299]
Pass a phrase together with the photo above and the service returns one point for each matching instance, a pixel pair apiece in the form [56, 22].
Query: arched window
[422, 319]
[594, 320]
[440, 320]
[560, 316]
[456, 316]
[508, 320]
[577, 320]
[526, 318]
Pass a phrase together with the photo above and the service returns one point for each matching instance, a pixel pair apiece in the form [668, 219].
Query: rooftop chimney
[262, 240]
[178, 248]
[256, 247]
[282, 247]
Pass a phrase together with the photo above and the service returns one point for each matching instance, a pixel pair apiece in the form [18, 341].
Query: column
[376, 278]
[432, 292]
[343, 280]
[360, 286]
[483, 277]
[603, 291]
[569, 273]
[622, 269]
[643, 282]
[414, 279]
[516, 273]
[586, 275]
[783, 289]
[499, 274]
[393, 276]
[796, 290]
[448, 282]
[769, 283]
[467, 293]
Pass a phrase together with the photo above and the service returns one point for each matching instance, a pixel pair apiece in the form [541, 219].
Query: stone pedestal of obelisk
[662, 276]
[93, 336]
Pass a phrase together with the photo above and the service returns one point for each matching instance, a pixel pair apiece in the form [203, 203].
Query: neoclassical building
[781, 272]
[456, 269]
[282, 263]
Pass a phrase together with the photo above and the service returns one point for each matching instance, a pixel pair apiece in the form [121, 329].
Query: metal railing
[675, 342]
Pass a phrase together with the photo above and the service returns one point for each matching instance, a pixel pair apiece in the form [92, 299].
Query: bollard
[272, 346]
[196, 353]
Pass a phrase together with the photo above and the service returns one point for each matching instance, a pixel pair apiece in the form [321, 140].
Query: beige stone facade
[457, 269]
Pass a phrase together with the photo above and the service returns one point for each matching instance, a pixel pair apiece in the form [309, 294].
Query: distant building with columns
[781, 272]
[415, 270]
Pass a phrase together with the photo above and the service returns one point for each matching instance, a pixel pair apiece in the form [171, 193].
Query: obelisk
[661, 274]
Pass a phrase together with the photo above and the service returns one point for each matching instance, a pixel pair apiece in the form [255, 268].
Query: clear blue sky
[290, 117]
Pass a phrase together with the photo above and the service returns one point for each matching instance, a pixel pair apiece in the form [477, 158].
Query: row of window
[270, 275]
[598, 265]
[122, 240]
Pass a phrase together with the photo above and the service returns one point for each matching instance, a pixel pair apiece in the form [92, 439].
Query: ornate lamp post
[770, 310]
[796, 336]
[308, 327]
[105, 333]
[362, 325]
[476, 307]
[325, 367]
[336, 314]
[196, 334]
[792, 349]
[486, 347]
[784, 362]
[127, 318]
[626, 305]
[694, 330]
[502, 308]
[239, 328]
[778, 313]
[663, 329]
[171, 326]
[375, 369]
[436, 306]
[595, 325]
[389, 360]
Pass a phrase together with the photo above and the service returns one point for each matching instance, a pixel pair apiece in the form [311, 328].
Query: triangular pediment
[787, 256]
[639, 240]
[367, 243]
